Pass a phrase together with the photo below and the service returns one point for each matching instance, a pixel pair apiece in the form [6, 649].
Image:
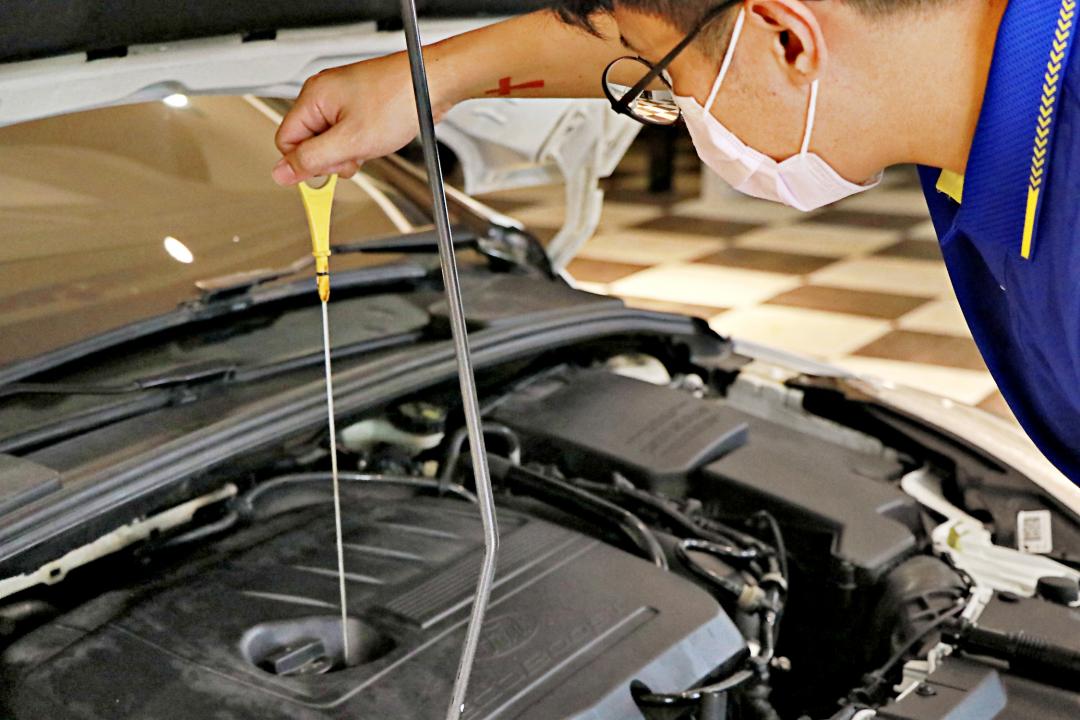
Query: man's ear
[796, 42]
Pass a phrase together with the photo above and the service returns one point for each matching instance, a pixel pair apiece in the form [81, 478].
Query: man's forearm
[350, 114]
[534, 55]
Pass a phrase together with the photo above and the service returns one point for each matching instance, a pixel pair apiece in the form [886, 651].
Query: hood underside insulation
[105, 28]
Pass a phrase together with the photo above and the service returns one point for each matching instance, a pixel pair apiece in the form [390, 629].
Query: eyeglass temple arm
[636, 91]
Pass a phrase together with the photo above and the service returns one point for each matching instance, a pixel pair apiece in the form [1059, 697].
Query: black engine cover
[835, 504]
[572, 622]
[656, 436]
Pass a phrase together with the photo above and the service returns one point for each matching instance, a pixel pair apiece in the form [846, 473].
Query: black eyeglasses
[649, 106]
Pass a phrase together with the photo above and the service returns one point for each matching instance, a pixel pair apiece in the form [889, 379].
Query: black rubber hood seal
[106, 28]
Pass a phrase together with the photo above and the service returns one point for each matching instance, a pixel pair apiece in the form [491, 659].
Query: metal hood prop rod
[473, 420]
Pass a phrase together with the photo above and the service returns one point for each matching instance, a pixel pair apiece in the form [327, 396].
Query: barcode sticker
[1033, 532]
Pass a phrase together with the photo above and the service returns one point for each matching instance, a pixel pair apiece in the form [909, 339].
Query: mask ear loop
[728, 57]
[811, 115]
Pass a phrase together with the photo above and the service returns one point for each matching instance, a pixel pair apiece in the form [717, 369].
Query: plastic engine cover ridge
[654, 435]
[842, 503]
[827, 498]
[250, 632]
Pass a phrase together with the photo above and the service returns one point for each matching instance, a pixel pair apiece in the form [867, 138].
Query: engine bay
[674, 544]
[250, 628]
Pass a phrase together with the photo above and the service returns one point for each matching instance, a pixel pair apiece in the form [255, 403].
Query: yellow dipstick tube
[318, 201]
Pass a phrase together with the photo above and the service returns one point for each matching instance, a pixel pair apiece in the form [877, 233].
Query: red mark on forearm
[506, 88]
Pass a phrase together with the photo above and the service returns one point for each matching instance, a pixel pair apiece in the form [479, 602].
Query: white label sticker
[1033, 532]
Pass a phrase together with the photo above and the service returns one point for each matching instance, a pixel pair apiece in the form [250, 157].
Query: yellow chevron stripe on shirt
[1047, 107]
[952, 184]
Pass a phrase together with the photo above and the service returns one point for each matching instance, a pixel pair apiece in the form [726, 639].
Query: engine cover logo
[505, 633]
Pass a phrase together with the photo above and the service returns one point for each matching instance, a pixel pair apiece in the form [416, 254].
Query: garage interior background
[860, 284]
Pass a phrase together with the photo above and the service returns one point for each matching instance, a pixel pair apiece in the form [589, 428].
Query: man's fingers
[345, 169]
[283, 173]
[317, 155]
[306, 119]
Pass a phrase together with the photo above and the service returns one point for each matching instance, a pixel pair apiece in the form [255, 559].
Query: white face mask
[805, 181]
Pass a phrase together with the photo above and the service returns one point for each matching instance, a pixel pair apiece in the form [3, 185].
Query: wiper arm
[227, 286]
[189, 375]
[235, 283]
[504, 246]
[422, 241]
[499, 237]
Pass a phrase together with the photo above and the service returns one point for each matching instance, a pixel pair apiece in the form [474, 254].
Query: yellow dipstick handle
[318, 202]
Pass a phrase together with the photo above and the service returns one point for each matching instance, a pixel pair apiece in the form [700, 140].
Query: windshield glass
[110, 216]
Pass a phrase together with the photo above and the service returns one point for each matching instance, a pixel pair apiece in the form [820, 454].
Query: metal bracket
[473, 420]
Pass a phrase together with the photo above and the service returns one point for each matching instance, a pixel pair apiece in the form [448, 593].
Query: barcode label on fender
[1033, 532]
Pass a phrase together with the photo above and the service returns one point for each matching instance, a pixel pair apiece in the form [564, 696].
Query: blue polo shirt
[1012, 245]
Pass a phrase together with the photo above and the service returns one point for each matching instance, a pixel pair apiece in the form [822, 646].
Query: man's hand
[358, 112]
[346, 116]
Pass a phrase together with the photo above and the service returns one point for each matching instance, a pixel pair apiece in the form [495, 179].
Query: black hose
[778, 538]
[756, 702]
[577, 500]
[770, 617]
[756, 698]
[1029, 655]
[919, 637]
[720, 550]
[877, 681]
[245, 504]
[733, 586]
[676, 520]
[226, 522]
[247, 500]
[646, 698]
[457, 444]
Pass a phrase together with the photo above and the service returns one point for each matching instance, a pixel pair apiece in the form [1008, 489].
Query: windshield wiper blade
[227, 286]
[192, 311]
[206, 371]
[506, 246]
[422, 241]
[178, 386]
[499, 237]
[91, 419]
[231, 292]
[235, 283]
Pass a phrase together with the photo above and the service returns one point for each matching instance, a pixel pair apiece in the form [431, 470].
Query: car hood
[99, 54]
[91, 54]
[108, 28]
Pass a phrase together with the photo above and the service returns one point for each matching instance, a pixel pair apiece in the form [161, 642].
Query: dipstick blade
[318, 198]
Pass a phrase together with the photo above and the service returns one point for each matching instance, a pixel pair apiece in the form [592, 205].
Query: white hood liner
[221, 65]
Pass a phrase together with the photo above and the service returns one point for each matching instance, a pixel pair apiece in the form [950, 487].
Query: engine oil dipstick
[318, 197]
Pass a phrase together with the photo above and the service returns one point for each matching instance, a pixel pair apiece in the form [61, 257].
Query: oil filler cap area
[312, 646]
[253, 632]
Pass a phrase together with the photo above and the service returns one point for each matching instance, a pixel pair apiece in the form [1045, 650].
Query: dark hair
[685, 14]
